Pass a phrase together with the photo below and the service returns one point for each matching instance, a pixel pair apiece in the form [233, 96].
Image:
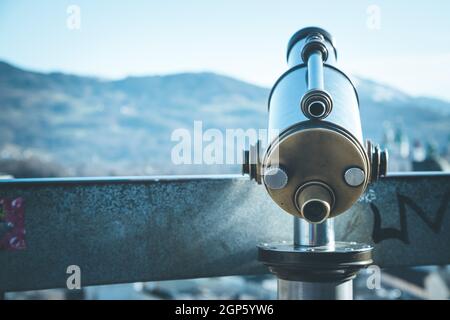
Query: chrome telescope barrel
[316, 165]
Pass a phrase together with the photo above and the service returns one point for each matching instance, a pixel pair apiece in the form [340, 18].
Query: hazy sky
[403, 43]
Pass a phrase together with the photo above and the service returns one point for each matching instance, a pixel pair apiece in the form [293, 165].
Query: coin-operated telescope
[316, 165]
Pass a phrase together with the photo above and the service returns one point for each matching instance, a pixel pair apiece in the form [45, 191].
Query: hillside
[89, 126]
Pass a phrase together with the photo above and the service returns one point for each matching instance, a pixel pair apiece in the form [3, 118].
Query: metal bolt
[354, 177]
[275, 178]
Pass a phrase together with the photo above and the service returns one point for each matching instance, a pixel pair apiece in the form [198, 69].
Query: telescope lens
[316, 211]
[317, 109]
[314, 202]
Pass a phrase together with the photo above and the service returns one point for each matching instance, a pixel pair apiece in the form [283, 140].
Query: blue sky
[409, 47]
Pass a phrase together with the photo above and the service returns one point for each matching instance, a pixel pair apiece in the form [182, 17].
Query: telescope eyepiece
[315, 43]
[318, 39]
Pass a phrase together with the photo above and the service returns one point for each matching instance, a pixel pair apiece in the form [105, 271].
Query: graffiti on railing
[380, 233]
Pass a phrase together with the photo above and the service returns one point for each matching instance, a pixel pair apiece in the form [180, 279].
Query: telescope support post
[298, 290]
[309, 234]
[315, 266]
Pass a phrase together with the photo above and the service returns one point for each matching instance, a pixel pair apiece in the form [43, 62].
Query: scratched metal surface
[140, 229]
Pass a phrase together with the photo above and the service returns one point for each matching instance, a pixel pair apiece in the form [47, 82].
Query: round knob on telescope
[314, 201]
[275, 178]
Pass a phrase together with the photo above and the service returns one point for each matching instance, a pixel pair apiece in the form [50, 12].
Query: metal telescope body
[316, 166]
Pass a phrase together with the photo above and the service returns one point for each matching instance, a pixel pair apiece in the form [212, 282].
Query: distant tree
[32, 167]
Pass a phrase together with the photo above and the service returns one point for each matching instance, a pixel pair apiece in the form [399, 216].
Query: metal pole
[298, 290]
[314, 235]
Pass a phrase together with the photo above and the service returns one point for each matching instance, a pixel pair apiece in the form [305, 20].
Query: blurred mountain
[91, 126]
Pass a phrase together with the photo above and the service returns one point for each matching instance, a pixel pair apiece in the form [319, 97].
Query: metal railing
[120, 230]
